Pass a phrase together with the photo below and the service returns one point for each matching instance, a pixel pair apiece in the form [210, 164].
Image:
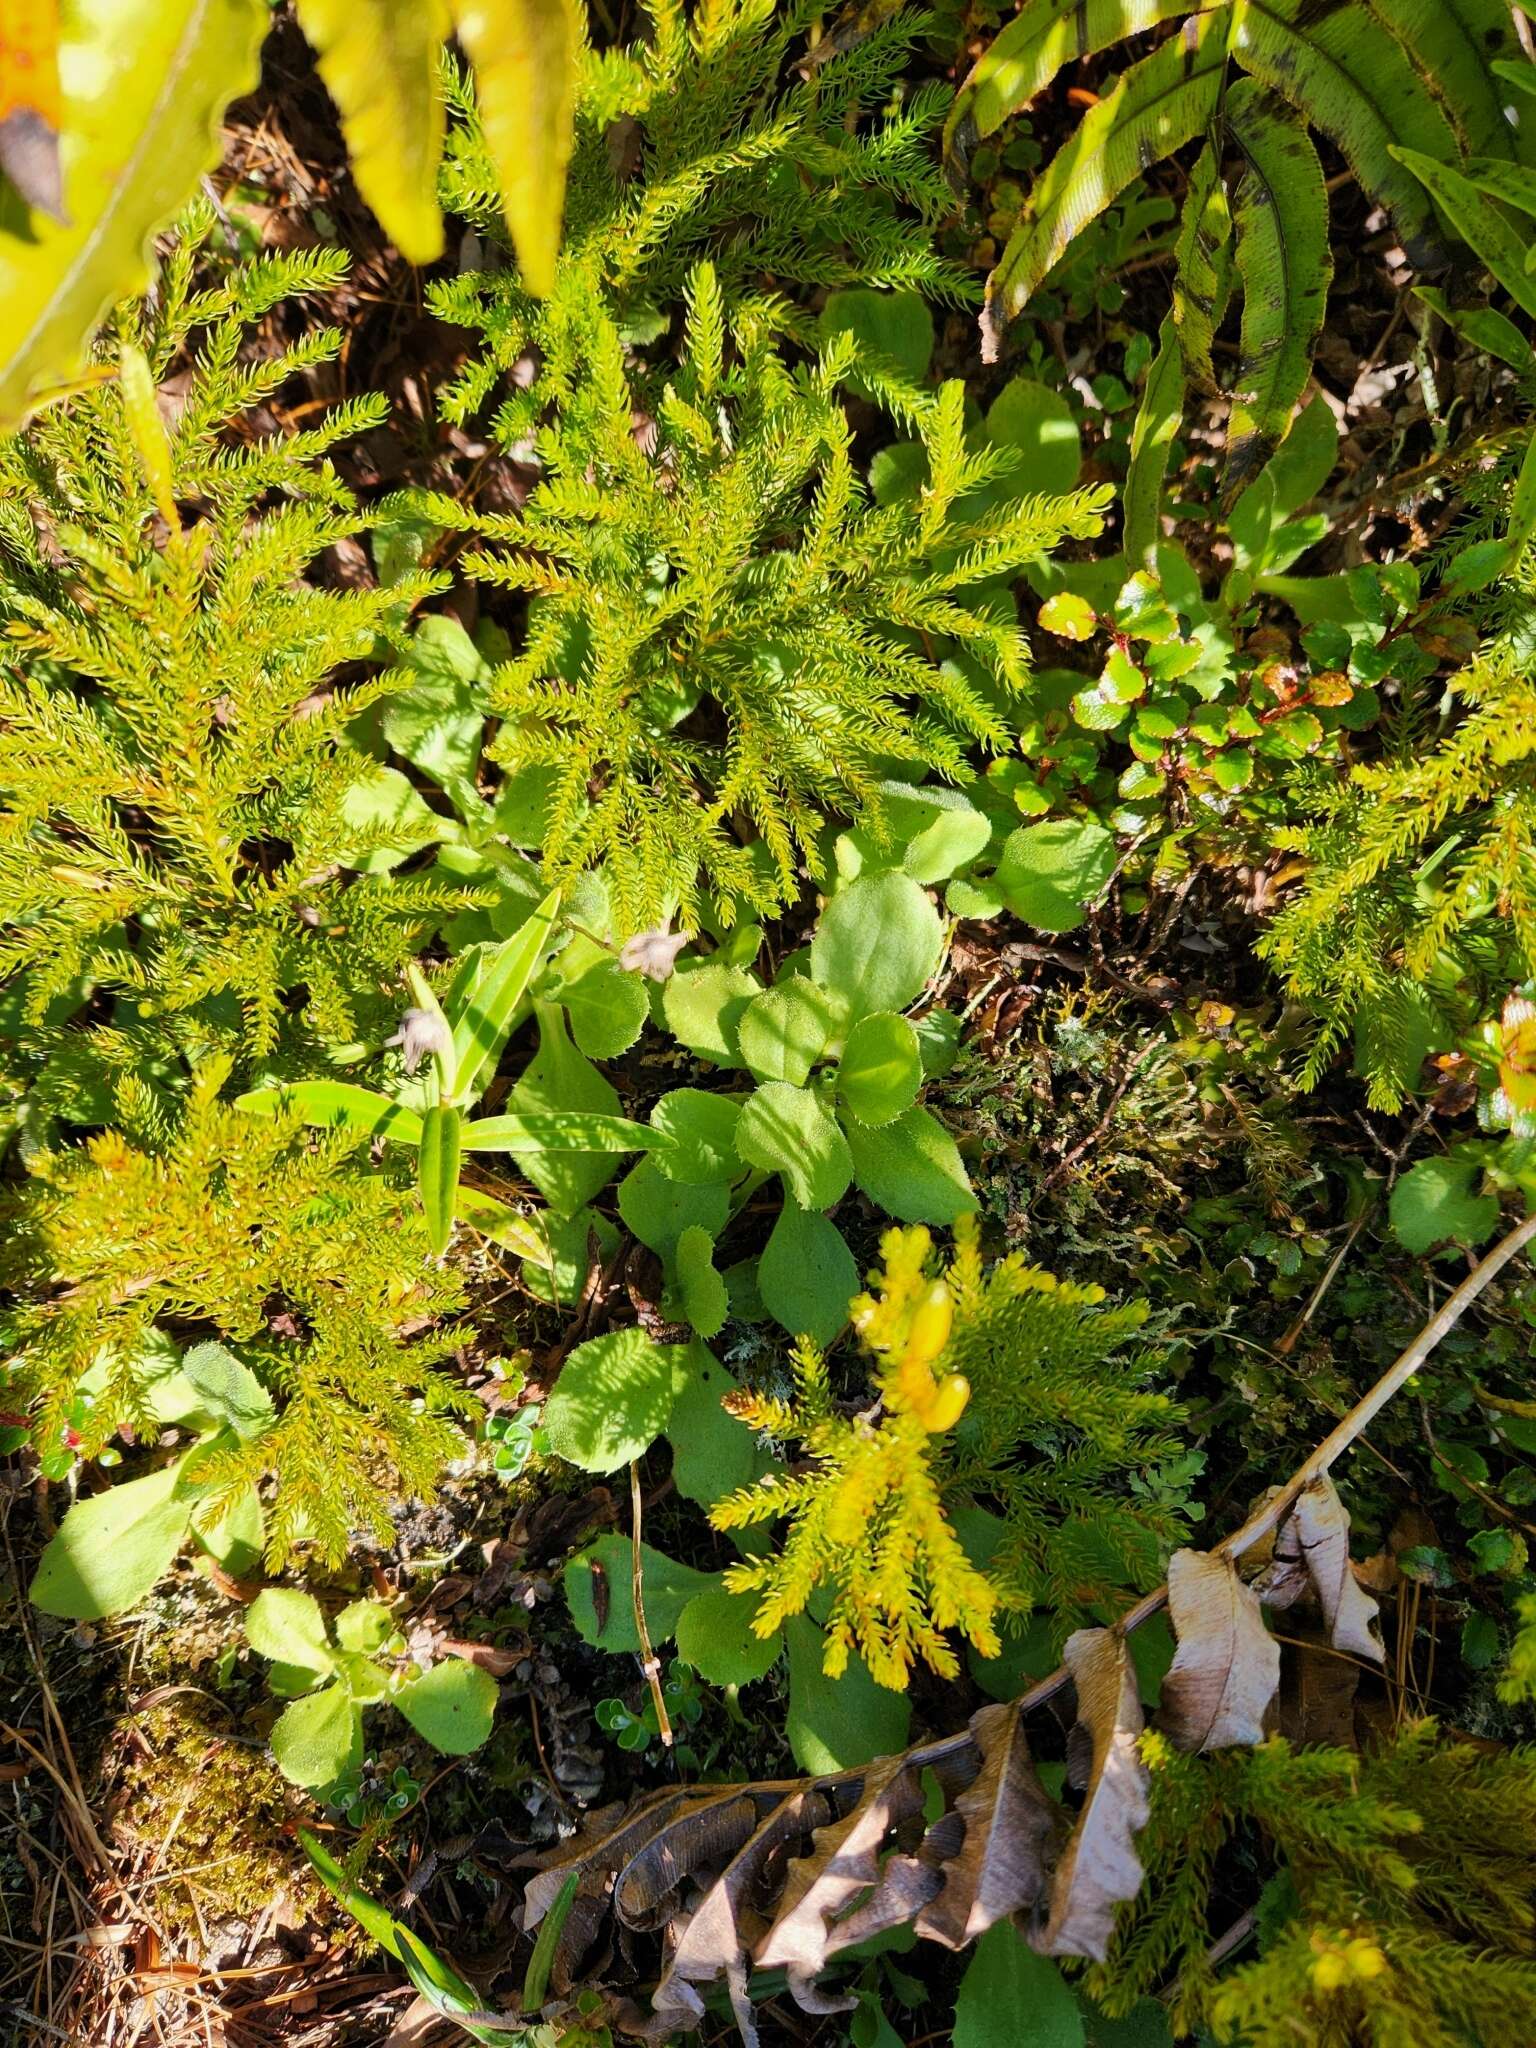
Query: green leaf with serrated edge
[613, 1398]
[1050, 873]
[1346, 76]
[1285, 263]
[1485, 229]
[228, 1391]
[876, 945]
[379, 62]
[287, 1628]
[700, 1129]
[1434, 1204]
[912, 1169]
[336, 1106]
[606, 1003]
[807, 1276]
[703, 1292]
[1152, 433]
[451, 1706]
[144, 85]
[956, 837]
[881, 1068]
[599, 1590]
[524, 54]
[318, 1739]
[437, 1172]
[109, 1550]
[363, 1626]
[1202, 280]
[480, 1029]
[1154, 108]
[557, 1131]
[1042, 37]
[703, 1008]
[786, 1030]
[789, 1131]
[715, 1635]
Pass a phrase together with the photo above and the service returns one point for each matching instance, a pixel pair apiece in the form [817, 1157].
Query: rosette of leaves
[331, 1674]
[1370, 75]
[838, 1070]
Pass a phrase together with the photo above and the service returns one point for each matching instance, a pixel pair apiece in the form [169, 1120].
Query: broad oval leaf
[144, 83]
[789, 1131]
[318, 1739]
[110, 1550]
[881, 1068]
[451, 1706]
[806, 1275]
[786, 1030]
[613, 1398]
[715, 1635]
[286, 1627]
[912, 1169]
[877, 943]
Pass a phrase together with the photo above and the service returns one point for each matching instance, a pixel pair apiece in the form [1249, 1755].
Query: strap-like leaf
[1156, 423]
[1449, 43]
[379, 60]
[561, 1131]
[1155, 108]
[1042, 37]
[1340, 69]
[1202, 281]
[481, 1026]
[437, 1172]
[1514, 184]
[145, 83]
[1480, 222]
[1285, 263]
[524, 54]
[336, 1106]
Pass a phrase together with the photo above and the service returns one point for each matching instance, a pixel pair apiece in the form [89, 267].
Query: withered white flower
[422, 1033]
[653, 953]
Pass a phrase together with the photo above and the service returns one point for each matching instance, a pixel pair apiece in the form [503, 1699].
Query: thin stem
[648, 1659]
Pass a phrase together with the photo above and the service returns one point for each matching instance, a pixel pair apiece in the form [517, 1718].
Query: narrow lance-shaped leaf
[524, 54]
[1285, 263]
[1202, 281]
[145, 82]
[437, 1172]
[1100, 1868]
[556, 1130]
[146, 430]
[1044, 35]
[1486, 230]
[1227, 1667]
[1152, 432]
[480, 1028]
[1156, 107]
[1449, 43]
[379, 62]
[1349, 78]
[336, 1106]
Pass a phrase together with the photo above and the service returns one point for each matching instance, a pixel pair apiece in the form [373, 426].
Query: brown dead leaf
[1227, 1667]
[1317, 1696]
[1009, 1818]
[1322, 1530]
[1100, 1867]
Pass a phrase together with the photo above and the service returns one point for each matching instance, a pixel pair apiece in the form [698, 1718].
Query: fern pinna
[179, 792]
[1370, 75]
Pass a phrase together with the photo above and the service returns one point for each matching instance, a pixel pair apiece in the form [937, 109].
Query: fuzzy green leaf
[144, 84]
[657, 1209]
[912, 1169]
[881, 1068]
[613, 1398]
[704, 1007]
[228, 1391]
[701, 1132]
[287, 1628]
[1434, 1204]
[786, 1030]
[788, 1131]
[878, 942]
[1050, 873]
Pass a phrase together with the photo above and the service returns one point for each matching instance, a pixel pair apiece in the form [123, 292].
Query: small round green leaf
[786, 1030]
[715, 1635]
[287, 1628]
[109, 1550]
[702, 1131]
[1434, 1204]
[704, 1007]
[881, 1068]
[1050, 873]
[451, 1706]
[1038, 422]
[658, 1210]
[1069, 616]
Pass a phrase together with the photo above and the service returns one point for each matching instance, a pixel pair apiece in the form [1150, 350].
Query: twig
[1333, 1446]
[649, 1662]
